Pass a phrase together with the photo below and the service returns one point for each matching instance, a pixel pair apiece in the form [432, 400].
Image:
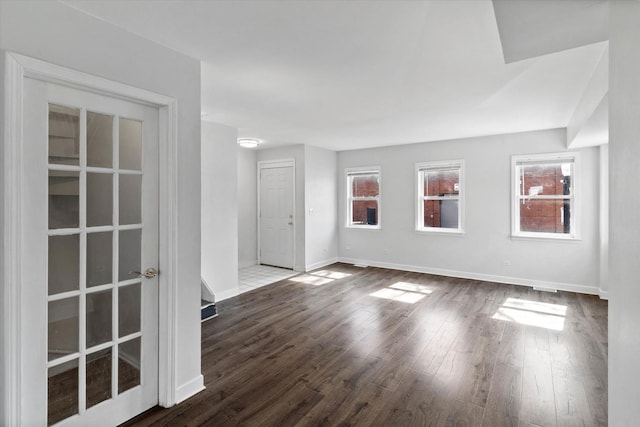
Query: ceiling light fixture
[248, 142]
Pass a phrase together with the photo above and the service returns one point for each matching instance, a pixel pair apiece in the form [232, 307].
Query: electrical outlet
[506, 262]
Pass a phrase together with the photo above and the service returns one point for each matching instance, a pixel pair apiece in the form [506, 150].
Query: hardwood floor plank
[511, 348]
[434, 354]
[571, 402]
[357, 406]
[451, 374]
[504, 399]
[537, 403]
[408, 404]
[345, 354]
[477, 380]
[464, 414]
[493, 419]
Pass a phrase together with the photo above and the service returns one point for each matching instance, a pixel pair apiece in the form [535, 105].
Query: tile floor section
[256, 276]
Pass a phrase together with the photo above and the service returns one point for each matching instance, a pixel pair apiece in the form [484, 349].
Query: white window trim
[419, 196]
[574, 197]
[362, 170]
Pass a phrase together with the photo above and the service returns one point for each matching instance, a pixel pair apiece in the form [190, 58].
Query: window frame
[420, 197]
[355, 171]
[573, 197]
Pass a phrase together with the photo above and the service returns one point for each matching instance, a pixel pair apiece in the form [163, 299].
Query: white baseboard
[189, 389]
[603, 294]
[591, 290]
[227, 293]
[247, 264]
[321, 264]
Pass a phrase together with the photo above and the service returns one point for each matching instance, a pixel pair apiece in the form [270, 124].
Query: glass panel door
[95, 243]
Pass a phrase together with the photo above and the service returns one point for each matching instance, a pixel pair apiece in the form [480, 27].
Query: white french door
[89, 313]
[276, 216]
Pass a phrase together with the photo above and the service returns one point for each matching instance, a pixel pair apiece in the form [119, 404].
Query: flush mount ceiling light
[248, 142]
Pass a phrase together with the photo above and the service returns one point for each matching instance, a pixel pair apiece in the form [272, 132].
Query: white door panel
[89, 325]
[276, 216]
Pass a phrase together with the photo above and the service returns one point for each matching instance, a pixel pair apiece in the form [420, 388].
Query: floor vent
[208, 311]
[535, 288]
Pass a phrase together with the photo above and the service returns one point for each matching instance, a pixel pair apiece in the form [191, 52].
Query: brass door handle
[149, 273]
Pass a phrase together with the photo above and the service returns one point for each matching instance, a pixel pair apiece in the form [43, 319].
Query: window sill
[363, 227]
[545, 237]
[443, 231]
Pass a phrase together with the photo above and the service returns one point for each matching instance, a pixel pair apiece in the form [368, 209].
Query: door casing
[17, 68]
[268, 164]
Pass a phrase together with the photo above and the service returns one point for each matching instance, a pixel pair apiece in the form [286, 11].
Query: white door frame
[282, 163]
[17, 68]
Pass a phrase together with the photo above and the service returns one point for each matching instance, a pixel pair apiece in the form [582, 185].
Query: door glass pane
[98, 377]
[99, 258]
[99, 318]
[129, 249]
[64, 263]
[64, 135]
[63, 327]
[130, 200]
[99, 140]
[99, 199]
[128, 365]
[130, 144]
[62, 391]
[129, 309]
[64, 200]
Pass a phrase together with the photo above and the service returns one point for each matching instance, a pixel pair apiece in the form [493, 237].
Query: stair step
[208, 311]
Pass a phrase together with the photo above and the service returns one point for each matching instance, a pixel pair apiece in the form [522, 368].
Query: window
[544, 196]
[440, 196]
[363, 198]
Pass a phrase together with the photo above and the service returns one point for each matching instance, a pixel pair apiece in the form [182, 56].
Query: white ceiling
[354, 74]
[530, 28]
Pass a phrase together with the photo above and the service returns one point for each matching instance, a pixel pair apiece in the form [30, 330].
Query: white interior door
[89, 320]
[276, 216]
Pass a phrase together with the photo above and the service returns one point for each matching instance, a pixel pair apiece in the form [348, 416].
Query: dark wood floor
[328, 352]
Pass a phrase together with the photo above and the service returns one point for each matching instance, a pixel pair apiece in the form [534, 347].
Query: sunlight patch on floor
[532, 313]
[404, 292]
[411, 287]
[319, 278]
[331, 274]
[309, 279]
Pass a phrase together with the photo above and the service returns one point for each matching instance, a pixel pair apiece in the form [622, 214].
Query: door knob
[149, 273]
[290, 223]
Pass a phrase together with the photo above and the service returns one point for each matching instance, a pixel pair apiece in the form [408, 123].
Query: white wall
[219, 209]
[295, 152]
[56, 33]
[247, 208]
[486, 245]
[604, 221]
[624, 229]
[321, 209]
